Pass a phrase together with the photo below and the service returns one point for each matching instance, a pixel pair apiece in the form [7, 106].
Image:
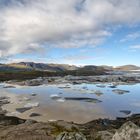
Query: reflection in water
[91, 100]
[78, 103]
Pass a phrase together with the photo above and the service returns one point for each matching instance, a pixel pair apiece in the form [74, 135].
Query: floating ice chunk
[61, 100]
[55, 96]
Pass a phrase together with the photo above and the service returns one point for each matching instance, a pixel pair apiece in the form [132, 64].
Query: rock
[135, 115]
[70, 136]
[98, 92]
[128, 131]
[75, 83]
[3, 112]
[113, 86]
[27, 131]
[64, 87]
[30, 105]
[33, 82]
[120, 91]
[9, 87]
[101, 86]
[4, 100]
[35, 115]
[22, 110]
[25, 99]
[29, 122]
[126, 112]
[16, 113]
[92, 100]
[65, 126]
[85, 87]
[33, 94]
[103, 135]
[10, 120]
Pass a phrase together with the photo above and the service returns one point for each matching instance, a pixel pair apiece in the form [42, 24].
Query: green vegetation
[23, 75]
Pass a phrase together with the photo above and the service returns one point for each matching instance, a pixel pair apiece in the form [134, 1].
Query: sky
[75, 32]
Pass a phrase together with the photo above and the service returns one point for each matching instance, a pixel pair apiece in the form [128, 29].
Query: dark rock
[75, 83]
[22, 110]
[92, 100]
[28, 122]
[35, 115]
[10, 120]
[120, 91]
[4, 100]
[113, 86]
[33, 94]
[3, 97]
[126, 112]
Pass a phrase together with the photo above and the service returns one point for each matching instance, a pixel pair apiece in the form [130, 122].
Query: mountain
[28, 66]
[127, 68]
[110, 68]
[22, 66]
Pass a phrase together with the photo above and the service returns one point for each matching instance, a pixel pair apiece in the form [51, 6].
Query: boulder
[128, 131]
[103, 135]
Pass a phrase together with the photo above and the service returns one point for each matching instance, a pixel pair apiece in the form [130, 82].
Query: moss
[59, 129]
[98, 138]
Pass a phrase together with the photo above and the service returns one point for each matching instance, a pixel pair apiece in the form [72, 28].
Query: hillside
[28, 66]
[40, 66]
[127, 68]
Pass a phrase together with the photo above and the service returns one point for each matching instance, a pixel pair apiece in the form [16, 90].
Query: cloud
[31, 25]
[135, 47]
[131, 37]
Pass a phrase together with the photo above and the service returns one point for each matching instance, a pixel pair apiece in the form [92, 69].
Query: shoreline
[19, 101]
[16, 128]
[99, 129]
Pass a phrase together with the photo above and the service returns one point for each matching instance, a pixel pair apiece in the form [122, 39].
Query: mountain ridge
[63, 67]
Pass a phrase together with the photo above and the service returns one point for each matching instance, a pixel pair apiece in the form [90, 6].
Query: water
[109, 106]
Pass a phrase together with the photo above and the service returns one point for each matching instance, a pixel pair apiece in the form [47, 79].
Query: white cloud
[26, 25]
[135, 47]
[131, 37]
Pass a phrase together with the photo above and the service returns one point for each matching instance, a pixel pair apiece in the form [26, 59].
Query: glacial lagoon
[79, 103]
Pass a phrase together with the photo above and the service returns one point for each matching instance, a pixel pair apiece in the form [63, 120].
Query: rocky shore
[123, 128]
[13, 128]
[115, 79]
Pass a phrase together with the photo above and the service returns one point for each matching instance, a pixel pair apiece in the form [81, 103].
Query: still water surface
[107, 104]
